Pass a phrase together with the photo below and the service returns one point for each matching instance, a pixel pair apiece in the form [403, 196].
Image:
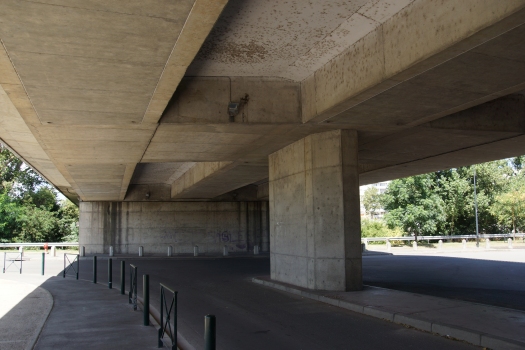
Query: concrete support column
[315, 227]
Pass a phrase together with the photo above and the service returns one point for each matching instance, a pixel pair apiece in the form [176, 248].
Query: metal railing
[12, 258]
[437, 238]
[133, 285]
[165, 327]
[71, 264]
[41, 244]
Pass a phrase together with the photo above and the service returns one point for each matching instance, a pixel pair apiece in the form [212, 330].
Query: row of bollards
[209, 320]
[256, 250]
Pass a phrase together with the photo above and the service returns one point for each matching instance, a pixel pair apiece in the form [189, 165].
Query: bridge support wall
[315, 229]
[157, 225]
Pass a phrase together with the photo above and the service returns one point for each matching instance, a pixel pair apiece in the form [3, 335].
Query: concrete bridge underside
[123, 106]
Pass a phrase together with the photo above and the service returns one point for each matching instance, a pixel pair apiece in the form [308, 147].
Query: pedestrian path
[52, 312]
[91, 316]
[23, 311]
[487, 326]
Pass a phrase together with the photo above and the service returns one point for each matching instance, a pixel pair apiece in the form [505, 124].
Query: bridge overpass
[240, 123]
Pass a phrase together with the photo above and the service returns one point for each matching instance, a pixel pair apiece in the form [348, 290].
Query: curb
[34, 339]
[450, 331]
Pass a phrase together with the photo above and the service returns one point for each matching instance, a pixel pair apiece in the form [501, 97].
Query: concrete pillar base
[315, 223]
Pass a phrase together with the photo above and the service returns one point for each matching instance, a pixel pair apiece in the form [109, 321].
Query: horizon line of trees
[442, 202]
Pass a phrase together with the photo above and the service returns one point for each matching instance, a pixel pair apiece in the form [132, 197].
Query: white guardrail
[437, 238]
[41, 244]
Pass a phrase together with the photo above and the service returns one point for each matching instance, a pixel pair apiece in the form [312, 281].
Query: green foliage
[509, 206]
[414, 205]
[443, 202]
[29, 209]
[377, 228]
[372, 201]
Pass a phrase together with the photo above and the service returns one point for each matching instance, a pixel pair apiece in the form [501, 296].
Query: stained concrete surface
[253, 317]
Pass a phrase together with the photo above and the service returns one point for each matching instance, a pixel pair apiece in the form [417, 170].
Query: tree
[455, 191]
[413, 204]
[372, 201]
[509, 206]
[29, 208]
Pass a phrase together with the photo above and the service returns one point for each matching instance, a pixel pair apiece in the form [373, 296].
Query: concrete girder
[93, 67]
[490, 131]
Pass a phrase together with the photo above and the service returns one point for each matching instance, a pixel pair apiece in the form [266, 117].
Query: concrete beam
[416, 66]
[447, 142]
[204, 100]
[198, 25]
[211, 179]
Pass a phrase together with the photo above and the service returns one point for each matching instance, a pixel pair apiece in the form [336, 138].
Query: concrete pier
[315, 220]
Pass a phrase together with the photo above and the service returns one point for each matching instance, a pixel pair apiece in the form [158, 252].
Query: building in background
[381, 187]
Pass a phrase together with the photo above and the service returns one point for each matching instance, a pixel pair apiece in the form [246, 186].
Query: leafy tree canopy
[443, 202]
[29, 207]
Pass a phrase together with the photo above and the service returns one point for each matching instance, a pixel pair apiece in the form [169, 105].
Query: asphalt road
[497, 283]
[250, 316]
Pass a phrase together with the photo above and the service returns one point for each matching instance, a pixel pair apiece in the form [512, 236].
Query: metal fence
[437, 238]
[41, 244]
[133, 285]
[70, 264]
[167, 305]
[10, 259]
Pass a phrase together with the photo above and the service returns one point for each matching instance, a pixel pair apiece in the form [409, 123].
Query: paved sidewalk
[88, 316]
[23, 311]
[52, 312]
[482, 325]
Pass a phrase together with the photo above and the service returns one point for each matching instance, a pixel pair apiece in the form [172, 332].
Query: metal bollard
[145, 294]
[54, 251]
[440, 245]
[366, 245]
[170, 251]
[414, 245]
[43, 262]
[196, 250]
[141, 251]
[225, 251]
[209, 332]
[255, 250]
[110, 273]
[21, 251]
[95, 269]
[388, 245]
[464, 243]
[487, 243]
[83, 251]
[122, 277]
[509, 242]
[110, 250]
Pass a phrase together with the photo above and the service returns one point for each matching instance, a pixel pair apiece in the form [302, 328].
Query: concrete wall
[155, 226]
[314, 212]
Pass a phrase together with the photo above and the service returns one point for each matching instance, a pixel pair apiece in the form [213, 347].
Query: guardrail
[71, 264]
[41, 244]
[165, 327]
[437, 238]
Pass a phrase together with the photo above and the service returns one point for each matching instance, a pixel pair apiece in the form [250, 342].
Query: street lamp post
[476, 209]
